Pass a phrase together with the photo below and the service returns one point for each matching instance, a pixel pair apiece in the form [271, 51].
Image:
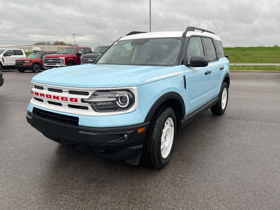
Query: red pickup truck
[67, 56]
[33, 62]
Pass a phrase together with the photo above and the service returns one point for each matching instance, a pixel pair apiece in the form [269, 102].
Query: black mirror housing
[198, 61]
[79, 53]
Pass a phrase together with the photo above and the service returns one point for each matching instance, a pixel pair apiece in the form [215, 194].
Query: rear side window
[219, 48]
[195, 48]
[18, 52]
[209, 48]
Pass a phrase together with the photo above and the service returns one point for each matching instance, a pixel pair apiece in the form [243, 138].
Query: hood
[59, 55]
[98, 75]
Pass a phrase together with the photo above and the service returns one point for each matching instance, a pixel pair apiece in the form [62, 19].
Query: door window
[195, 48]
[209, 48]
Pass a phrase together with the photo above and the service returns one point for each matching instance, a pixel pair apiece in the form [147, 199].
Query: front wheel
[220, 107]
[158, 145]
[36, 68]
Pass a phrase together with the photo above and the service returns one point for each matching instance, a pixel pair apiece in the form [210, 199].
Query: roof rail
[135, 32]
[192, 28]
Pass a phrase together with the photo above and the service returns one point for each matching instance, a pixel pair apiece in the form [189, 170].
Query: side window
[194, 48]
[219, 48]
[209, 48]
[8, 53]
[80, 50]
[87, 50]
[18, 52]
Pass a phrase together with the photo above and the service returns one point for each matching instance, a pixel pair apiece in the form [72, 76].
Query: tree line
[54, 43]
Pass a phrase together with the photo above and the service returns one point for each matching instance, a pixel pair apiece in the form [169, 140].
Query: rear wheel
[220, 107]
[36, 68]
[158, 145]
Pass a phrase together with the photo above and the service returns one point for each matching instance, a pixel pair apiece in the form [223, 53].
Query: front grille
[54, 61]
[60, 118]
[19, 62]
[88, 60]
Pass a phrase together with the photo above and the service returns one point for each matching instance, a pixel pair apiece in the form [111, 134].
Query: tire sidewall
[224, 86]
[158, 160]
[34, 66]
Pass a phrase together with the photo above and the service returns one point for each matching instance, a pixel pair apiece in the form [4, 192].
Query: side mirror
[7, 54]
[198, 61]
[79, 53]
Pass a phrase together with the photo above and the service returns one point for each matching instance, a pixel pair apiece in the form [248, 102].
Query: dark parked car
[94, 56]
[33, 62]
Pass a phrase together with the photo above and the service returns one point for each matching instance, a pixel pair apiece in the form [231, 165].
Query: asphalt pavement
[227, 162]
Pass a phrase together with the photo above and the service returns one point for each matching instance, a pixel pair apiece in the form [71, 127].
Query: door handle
[222, 68]
[208, 72]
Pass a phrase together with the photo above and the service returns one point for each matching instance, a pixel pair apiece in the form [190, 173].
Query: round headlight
[123, 100]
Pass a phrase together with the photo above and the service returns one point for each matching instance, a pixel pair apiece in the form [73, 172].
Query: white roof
[169, 34]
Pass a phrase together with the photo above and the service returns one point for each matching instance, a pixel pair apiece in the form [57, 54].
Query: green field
[253, 54]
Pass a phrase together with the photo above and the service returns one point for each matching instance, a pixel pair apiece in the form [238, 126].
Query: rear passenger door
[213, 68]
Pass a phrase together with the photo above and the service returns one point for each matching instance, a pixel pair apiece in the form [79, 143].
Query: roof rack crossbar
[135, 32]
[192, 28]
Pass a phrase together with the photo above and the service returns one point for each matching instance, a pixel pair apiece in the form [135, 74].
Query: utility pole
[150, 14]
[74, 39]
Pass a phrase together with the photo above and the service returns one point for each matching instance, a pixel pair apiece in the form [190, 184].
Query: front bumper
[117, 143]
[53, 66]
[24, 67]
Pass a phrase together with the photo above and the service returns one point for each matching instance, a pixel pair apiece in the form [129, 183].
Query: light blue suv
[130, 105]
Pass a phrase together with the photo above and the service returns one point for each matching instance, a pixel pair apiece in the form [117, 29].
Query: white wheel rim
[224, 98]
[167, 137]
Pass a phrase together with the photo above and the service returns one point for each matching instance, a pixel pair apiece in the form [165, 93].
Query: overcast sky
[100, 22]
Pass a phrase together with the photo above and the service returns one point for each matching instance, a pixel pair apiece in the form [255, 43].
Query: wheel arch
[171, 99]
[227, 79]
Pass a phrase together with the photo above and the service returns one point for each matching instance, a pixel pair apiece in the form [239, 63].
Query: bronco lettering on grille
[62, 98]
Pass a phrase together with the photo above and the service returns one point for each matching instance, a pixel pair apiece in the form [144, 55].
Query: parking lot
[228, 162]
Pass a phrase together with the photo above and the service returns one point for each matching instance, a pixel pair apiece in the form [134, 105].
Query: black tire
[21, 70]
[220, 107]
[155, 153]
[36, 67]
[70, 64]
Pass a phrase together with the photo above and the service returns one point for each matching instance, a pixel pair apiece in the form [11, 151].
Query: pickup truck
[67, 56]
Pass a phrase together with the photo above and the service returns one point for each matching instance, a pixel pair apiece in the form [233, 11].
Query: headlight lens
[26, 61]
[111, 100]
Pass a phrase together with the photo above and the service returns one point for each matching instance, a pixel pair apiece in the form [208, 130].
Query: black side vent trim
[82, 93]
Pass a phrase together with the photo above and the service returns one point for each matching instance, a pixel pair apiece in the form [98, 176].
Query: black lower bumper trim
[115, 143]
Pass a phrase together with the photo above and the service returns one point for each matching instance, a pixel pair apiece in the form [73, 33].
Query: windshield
[1, 51]
[35, 55]
[100, 49]
[67, 51]
[156, 51]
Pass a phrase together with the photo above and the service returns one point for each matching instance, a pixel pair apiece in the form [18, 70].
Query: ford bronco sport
[130, 105]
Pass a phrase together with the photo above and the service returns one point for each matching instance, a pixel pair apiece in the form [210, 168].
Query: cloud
[239, 22]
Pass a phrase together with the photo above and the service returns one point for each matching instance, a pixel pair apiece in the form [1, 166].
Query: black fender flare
[227, 79]
[167, 97]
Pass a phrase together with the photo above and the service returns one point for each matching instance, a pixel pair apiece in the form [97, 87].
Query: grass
[253, 54]
[255, 68]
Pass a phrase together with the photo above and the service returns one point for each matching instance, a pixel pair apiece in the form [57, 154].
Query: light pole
[74, 39]
[150, 14]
